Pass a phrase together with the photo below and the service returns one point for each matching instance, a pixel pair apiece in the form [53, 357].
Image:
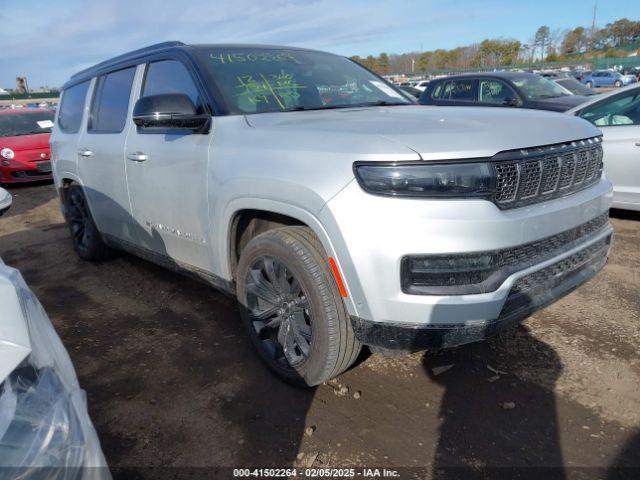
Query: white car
[617, 114]
[5, 200]
[45, 429]
[335, 209]
[422, 86]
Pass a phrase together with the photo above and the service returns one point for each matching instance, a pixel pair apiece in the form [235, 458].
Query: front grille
[480, 272]
[537, 174]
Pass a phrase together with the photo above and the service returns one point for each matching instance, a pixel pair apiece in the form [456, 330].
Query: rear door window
[111, 101]
[459, 90]
[71, 108]
[171, 76]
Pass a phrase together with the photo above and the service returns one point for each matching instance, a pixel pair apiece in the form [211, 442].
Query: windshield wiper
[323, 107]
[380, 103]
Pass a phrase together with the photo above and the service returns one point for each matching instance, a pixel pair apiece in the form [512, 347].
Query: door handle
[85, 153]
[637, 144]
[137, 157]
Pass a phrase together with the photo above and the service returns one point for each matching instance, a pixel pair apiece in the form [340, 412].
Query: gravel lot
[171, 379]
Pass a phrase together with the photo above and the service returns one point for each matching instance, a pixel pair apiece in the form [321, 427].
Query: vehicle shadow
[625, 214]
[626, 466]
[489, 429]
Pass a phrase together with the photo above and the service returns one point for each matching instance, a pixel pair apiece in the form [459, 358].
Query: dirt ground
[172, 381]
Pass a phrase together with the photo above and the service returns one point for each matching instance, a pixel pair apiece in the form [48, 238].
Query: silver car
[338, 212]
[617, 115]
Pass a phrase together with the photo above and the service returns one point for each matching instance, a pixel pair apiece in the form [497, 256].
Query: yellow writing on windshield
[223, 58]
[280, 88]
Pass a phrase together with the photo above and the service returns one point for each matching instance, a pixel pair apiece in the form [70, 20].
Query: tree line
[545, 45]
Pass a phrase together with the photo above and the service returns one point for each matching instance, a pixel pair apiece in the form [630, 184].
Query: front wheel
[618, 84]
[292, 308]
[589, 84]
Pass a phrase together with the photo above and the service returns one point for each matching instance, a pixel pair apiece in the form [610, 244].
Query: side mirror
[169, 111]
[511, 102]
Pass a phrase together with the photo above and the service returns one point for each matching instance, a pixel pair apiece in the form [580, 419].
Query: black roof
[161, 48]
[499, 74]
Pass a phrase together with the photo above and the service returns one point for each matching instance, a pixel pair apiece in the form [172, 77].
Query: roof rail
[133, 53]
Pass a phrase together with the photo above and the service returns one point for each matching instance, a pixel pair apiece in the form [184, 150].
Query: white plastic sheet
[45, 429]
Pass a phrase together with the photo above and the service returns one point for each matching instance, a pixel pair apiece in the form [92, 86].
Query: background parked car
[413, 91]
[574, 87]
[422, 85]
[24, 145]
[607, 78]
[617, 114]
[5, 201]
[500, 89]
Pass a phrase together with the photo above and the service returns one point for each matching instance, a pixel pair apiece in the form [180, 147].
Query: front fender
[300, 214]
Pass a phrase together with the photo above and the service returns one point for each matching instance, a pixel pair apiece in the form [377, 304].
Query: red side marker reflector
[338, 277]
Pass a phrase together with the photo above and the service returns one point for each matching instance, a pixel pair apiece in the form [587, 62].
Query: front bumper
[371, 235]
[530, 292]
[25, 171]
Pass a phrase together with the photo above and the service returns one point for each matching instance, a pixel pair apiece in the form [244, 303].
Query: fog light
[5, 163]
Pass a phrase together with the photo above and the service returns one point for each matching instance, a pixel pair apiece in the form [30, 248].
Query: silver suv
[338, 212]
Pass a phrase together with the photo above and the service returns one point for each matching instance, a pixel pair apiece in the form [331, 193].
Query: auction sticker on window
[45, 123]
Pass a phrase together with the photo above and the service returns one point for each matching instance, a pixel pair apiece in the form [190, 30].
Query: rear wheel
[85, 236]
[292, 308]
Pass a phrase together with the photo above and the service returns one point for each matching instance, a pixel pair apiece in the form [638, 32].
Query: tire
[589, 84]
[87, 241]
[299, 325]
[618, 84]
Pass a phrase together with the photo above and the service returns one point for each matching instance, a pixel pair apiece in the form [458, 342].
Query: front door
[167, 176]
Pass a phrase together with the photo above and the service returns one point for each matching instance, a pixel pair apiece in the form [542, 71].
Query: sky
[47, 41]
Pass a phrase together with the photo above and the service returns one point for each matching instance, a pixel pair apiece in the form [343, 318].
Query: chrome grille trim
[534, 175]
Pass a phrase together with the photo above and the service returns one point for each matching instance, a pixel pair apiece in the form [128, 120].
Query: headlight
[437, 180]
[7, 153]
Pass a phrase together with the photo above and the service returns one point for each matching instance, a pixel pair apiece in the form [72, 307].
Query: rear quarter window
[71, 108]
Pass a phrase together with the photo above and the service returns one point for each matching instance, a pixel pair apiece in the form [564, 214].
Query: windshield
[575, 86]
[257, 80]
[25, 123]
[537, 88]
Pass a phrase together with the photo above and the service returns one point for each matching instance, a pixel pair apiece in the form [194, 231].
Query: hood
[560, 104]
[26, 142]
[14, 333]
[433, 132]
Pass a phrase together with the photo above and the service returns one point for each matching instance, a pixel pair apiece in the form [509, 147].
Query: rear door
[461, 91]
[101, 153]
[619, 119]
[167, 174]
[68, 122]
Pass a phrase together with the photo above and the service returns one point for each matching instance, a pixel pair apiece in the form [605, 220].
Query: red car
[24, 145]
